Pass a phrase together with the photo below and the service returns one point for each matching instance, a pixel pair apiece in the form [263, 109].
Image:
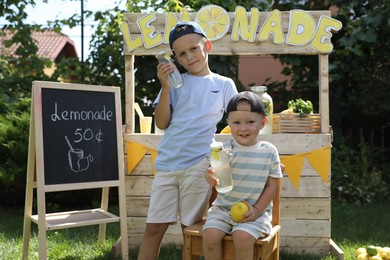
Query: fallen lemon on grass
[360, 251]
[385, 253]
[214, 20]
[371, 251]
[238, 210]
[362, 257]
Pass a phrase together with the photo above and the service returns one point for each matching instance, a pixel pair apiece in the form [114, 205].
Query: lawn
[353, 226]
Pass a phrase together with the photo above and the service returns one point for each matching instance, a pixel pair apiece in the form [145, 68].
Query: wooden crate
[292, 123]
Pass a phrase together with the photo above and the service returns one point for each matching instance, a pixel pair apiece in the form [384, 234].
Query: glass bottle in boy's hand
[175, 78]
[219, 160]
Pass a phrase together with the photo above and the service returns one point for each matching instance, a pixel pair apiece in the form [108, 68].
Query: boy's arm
[267, 195]
[261, 204]
[163, 109]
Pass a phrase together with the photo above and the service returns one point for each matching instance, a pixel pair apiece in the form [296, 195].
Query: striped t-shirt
[251, 166]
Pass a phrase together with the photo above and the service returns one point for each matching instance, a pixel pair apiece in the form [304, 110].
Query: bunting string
[319, 159]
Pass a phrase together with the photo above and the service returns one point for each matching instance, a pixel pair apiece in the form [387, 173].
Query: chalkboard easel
[75, 143]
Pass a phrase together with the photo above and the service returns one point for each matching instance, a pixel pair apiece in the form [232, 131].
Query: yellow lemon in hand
[238, 210]
[214, 20]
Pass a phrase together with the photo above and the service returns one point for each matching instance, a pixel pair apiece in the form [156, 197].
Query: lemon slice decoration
[215, 154]
[214, 20]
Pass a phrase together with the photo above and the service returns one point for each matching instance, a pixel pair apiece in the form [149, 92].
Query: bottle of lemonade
[175, 78]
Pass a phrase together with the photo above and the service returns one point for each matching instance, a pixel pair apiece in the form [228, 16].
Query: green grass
[71, 243]
[363, 225]
[353, 226]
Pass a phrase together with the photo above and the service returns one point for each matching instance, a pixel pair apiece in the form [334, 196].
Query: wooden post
[104, 205]
[130, 90]
[324, 92]
[29, 189]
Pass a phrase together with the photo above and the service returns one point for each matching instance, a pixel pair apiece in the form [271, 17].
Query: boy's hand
[163, 70]
[210, 177]
[251, 215]
[282, 167]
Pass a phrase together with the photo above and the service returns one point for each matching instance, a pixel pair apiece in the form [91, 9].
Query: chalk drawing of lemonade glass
[77, 161]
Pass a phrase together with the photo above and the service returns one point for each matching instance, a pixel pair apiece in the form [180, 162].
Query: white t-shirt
[197, 108]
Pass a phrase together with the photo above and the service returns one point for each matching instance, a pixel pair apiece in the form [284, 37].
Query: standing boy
[189, 116]
[255, 169]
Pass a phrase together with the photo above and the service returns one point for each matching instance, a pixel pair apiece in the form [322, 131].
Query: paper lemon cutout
[214, 20]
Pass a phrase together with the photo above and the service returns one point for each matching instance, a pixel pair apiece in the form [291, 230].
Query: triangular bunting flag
[153, 154]
[135, 153]
[320, 161]
[294, 165]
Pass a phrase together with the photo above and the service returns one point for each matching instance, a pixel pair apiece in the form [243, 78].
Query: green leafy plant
[355, 176]
[14, 128]
[300, 106]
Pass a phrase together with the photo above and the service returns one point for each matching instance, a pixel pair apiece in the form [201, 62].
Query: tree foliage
[361, 70]
[359, 67]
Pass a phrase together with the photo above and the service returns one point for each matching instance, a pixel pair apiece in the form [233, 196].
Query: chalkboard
[79, 132]
[75, 143]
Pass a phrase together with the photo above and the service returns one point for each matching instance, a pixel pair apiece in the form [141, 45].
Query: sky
[60, 9]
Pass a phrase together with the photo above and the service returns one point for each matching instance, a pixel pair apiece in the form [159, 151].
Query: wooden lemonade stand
[306, 193]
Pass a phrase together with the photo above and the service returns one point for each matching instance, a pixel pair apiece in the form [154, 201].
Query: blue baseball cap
[183, 28]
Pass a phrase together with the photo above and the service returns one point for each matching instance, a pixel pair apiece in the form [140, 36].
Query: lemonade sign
[249, 27]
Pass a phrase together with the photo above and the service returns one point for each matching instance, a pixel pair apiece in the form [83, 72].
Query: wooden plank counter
[305, 213]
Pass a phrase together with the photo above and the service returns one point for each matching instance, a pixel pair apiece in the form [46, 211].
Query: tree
[359, 81]
[359, 68]
[104, 66]
[16, 76]
[107, 46]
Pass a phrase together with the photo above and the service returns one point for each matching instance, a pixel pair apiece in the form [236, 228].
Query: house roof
[51, 45]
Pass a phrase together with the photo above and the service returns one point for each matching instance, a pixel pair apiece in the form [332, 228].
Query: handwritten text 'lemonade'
[83, 115]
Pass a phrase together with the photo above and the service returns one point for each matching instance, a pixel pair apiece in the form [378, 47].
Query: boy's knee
[243, 239]
[212, 236]
[156, 229]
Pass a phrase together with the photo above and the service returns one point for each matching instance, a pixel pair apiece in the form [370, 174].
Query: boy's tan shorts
[184, 193]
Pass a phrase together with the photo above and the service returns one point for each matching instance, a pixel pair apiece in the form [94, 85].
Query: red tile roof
[51, 45]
